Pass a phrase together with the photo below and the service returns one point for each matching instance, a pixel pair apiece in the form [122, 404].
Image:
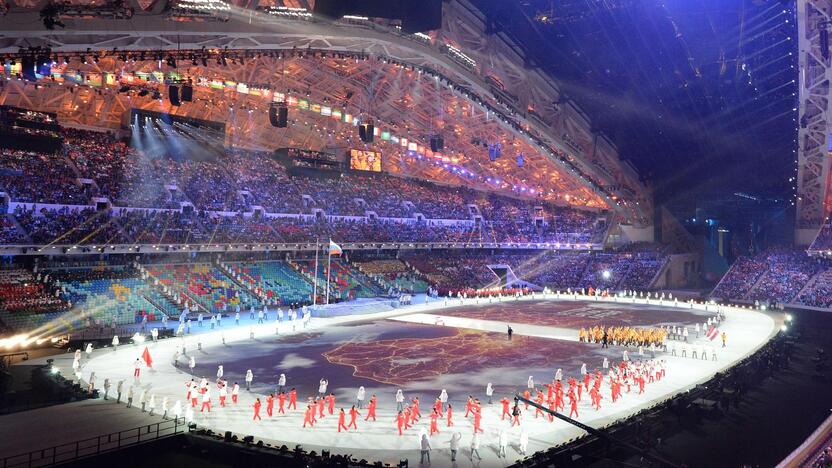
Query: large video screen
[361, 160]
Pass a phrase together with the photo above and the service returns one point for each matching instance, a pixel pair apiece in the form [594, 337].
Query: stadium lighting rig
[226, 57]
[200, 10]
[54, 12]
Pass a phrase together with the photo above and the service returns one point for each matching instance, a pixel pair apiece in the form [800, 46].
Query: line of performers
[626, 377]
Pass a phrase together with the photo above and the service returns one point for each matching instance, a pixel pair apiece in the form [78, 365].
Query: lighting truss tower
[814, 198]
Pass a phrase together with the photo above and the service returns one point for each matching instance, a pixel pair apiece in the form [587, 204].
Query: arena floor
[423, 349]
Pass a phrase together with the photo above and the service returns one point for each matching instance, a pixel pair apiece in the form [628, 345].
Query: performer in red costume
[293, 399]
[515, 415]
[551, 408]
[434, 427]
[596, 398]
[573, 405]
[408, 417]
[400, 422]
[450, 416]
[331, 402]
[281, 401]
[342, 420]
[270, 405]
[478, 421]
[256, 410]
[506, 412]
[353, 414]
[416, 413]
[371, 409]
[307, 416]
[539, 401]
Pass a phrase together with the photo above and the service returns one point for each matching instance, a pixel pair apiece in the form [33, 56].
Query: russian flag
[713, 333]
[334, 249]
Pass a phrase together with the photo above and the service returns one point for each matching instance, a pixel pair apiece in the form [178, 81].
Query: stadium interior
[387, 166]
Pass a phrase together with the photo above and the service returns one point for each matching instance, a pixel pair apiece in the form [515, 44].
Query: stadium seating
[740, 278]
[345, 282]
[200, 283]
[26, 301]
[818, 293]
[393, 275]
[96, 165]
[275, 280]
[777, 275]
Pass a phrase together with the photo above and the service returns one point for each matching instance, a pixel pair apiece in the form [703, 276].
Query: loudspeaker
[173, 94]
[279, 116]
[228, 436]
[28, 68]
[437, 143]
[273, 115]
[187, 93]
[282, 117]
[365, 132]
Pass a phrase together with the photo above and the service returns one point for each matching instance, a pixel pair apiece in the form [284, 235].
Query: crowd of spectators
[605, 271]
[823, 241]
[98, 165]
[39, 177]
[553, 270]
[788, 272]
[452, 271]
[641, 273]
[824, 460]
[9, 233]
[21, 291]
[819, 292]
[70, 226]
[740, 278]
[778, 275]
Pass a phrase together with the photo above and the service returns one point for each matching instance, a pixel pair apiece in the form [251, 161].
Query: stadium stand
[273, 281]
[156, 189]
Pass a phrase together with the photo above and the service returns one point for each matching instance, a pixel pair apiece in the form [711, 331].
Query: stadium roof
[450, 82]
[698, 94]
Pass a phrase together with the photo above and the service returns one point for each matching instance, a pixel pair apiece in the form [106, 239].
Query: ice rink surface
[456, 345]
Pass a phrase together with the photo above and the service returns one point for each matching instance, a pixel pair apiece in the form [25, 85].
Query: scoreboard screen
[362, 160]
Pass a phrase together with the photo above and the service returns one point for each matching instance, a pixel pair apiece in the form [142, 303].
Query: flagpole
[315, 278]
[328, 259]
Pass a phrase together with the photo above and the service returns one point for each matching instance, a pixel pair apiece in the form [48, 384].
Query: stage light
[789, 317]
[784, 327]
[606, 274]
